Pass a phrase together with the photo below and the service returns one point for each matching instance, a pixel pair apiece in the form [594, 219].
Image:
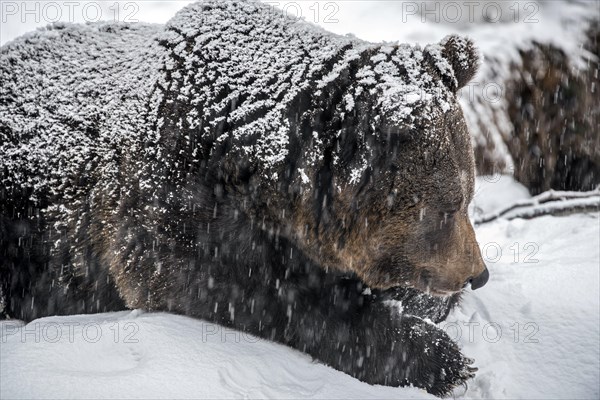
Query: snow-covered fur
[248, 169]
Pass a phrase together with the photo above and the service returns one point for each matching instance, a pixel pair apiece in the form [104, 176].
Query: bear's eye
[452, 206]
[447, 215]
[446, 218]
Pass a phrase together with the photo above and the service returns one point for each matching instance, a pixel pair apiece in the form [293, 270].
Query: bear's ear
[456, 58]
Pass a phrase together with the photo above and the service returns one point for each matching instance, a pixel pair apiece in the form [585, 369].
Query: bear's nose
[480, 280]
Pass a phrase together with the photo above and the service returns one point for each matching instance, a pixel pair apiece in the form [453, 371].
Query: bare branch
[547, 203]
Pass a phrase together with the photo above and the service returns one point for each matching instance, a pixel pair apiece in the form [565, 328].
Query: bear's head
[357, 153]
[385, 172]
[378, 171]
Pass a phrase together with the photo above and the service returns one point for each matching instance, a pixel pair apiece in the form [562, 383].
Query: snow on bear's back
[65, 89]
[91, 100]
[243, 63]
[240, 72]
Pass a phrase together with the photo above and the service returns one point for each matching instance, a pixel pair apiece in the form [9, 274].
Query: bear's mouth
[440, 293]
[426, 284]
[389, 275]
[431, 290]
[425, 289]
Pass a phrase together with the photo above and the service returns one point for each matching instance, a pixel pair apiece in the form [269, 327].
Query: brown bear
[242, 167]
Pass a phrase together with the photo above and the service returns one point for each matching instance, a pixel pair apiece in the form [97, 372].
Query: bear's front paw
[410, 351]
[453, 374]
[432, 360]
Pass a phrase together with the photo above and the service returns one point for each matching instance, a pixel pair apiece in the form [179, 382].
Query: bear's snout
[480, 280]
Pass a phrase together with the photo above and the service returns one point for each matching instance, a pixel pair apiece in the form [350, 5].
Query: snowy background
[534, 330]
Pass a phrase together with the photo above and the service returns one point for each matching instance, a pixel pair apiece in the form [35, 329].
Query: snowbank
[533, 331]
[136, 355]
[494, 192]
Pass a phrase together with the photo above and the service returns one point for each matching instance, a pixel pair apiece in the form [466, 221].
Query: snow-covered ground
[533, 330]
